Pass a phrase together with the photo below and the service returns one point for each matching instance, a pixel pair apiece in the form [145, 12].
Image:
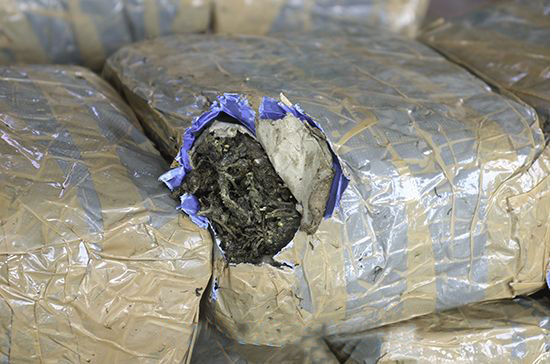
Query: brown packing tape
[150, 13]
[421, 295]
[244, 16]
[5, 324]
[405, 17]
[88, 39]
[17, 36]
[194, 16]
[90, 270]
[532, 219]
[433, 156]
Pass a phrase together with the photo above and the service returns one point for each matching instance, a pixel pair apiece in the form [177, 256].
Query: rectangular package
[441, 172]
[506, 43]
[96, 265]
[86, 32]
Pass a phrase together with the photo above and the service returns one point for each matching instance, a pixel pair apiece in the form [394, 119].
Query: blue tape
[233, 105]
[191, 206]
[238, 108]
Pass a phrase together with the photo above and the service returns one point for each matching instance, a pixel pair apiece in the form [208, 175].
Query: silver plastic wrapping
[262, 17]
[96, 266]
[515, 331]
[442, 171]
[87, 31]
[507, 43]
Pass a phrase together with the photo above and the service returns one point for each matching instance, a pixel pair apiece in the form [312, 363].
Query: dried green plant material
[252, 211]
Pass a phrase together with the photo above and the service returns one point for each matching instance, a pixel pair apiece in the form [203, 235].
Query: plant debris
[252, 211]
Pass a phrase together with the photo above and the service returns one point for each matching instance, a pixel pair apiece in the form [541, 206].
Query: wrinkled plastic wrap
[96, 266]
[515, 331]
[507, 43]
[213, 347]
[442, 173]
[261, 17]
[87, 31]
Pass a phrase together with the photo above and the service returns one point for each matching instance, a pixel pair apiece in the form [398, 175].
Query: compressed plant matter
[253, 213]
[441, 171]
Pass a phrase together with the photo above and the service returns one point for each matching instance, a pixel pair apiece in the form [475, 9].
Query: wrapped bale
[261, 17]
[496, 332]
[441, 171]
[213, 347]
[95, 264]
[87, 31]
[507, 44]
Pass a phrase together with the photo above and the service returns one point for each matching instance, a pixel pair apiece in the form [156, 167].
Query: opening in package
[441, 171]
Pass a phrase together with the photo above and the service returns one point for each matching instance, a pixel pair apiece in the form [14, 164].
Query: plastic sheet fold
[515, 331]
[96, 265]
[213, 347]
[449, 198]
[86, 32]
[507, 43]
[262, 17]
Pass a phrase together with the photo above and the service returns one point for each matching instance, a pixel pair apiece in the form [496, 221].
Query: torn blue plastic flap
[191, 206]
[272, 109]
[233, 105]
[173, 178]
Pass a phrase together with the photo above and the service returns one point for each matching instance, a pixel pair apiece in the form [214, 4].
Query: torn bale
[441, 170]
[225, 171]
[253, 213]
